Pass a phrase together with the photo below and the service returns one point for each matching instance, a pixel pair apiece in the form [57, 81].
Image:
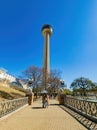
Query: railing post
[62, 99]
[30, 96]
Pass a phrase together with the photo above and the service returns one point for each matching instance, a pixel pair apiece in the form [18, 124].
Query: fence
[7, 107]
[84, 107]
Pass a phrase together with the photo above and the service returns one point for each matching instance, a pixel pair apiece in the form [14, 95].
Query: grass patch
[7, 93]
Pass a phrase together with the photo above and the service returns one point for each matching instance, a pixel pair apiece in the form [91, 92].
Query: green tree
[67, 92]
[82, 85]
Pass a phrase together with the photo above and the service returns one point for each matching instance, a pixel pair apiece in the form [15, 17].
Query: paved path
[36, 118]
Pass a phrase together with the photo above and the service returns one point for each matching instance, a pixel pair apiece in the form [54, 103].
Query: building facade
[6, 76]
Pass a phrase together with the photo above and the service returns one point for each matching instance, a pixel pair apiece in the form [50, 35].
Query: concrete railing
[9, 106]
[83, 107]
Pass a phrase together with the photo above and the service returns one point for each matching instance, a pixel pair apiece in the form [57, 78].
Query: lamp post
[46, 32]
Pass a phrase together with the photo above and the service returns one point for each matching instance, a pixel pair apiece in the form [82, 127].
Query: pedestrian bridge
[55, 117]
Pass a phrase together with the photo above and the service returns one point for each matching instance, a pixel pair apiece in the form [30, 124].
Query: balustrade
[11, 105]
[84, 107]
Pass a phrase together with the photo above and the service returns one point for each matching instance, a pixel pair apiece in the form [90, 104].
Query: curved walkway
[36, 118]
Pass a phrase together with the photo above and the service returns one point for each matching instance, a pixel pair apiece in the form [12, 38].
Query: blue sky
[73, 44]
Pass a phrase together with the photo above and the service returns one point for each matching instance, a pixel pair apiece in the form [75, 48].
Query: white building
[5, 75]
[11, 79]
[24, 84]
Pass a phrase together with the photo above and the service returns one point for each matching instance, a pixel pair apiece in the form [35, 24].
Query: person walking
[44, 101]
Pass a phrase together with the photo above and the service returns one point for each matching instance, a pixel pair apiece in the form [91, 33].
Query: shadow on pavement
[37, 108]
[53, 104]
[83, 120]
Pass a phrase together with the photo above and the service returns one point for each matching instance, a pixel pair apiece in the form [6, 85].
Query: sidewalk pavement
[37, 118]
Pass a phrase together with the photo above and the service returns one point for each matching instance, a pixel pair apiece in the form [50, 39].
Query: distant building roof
[3, 70]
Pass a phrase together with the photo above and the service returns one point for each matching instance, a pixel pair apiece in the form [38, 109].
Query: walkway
[36, 118]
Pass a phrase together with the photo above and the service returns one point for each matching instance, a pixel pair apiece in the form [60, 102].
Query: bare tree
[54, 81]
[34, 76]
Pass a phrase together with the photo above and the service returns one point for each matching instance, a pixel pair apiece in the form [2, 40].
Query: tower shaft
[46, 31]
[46, 62]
